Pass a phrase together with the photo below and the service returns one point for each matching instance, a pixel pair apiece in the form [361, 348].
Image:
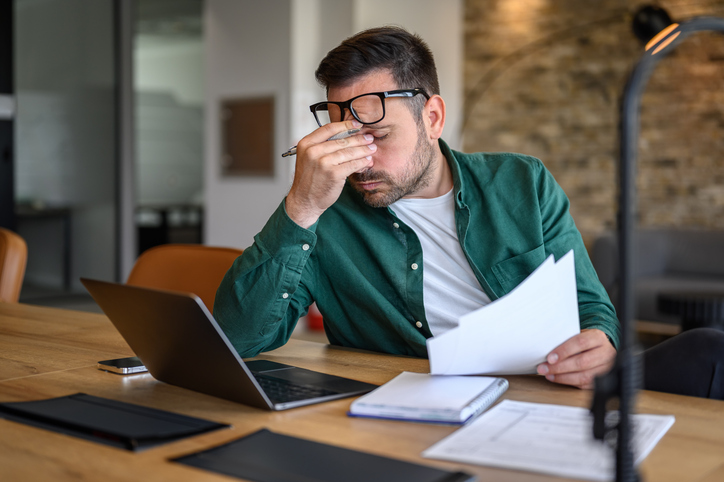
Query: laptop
[181, 344]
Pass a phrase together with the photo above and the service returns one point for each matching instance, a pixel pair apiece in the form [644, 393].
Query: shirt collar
[458, 185]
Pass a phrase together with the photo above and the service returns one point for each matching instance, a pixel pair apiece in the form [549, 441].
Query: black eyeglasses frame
[382, 95]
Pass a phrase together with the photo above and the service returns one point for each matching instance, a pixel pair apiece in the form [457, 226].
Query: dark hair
[405, 55]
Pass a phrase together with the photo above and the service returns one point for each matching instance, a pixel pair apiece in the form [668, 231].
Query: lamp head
[648, 21]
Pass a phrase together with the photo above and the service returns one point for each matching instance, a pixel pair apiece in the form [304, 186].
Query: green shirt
[357, 262]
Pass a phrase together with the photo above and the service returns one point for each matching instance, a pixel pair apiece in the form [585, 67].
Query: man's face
[403, 164]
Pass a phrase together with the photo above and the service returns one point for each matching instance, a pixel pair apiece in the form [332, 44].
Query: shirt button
[305, 247]
[395, 225]
[418, 324]
[285, 295]
[414, 266]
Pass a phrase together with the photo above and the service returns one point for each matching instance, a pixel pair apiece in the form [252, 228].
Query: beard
[416, 176]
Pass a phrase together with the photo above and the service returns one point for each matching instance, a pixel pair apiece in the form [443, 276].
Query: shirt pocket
[511, 272]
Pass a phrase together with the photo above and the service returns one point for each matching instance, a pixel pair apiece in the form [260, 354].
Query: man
[393, 234]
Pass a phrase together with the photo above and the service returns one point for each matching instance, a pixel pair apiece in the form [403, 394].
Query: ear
[434, 113]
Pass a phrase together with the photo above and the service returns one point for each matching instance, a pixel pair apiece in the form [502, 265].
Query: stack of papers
[552, 439]
[515, 333]
[421, 397]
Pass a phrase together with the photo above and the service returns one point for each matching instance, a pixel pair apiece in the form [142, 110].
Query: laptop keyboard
[279, 390]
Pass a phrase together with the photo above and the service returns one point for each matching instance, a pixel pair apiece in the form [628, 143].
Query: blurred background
[132, 117]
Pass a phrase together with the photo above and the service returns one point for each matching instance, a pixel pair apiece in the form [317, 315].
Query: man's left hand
[579, 359]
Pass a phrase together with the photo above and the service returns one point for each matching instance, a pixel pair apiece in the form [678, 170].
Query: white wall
[273, 47]
[440, 24]
[170, 65]
[318, 26]
[169, 103]
[247, 55]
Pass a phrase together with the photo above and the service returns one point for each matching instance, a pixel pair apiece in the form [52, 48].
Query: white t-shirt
[450, 288]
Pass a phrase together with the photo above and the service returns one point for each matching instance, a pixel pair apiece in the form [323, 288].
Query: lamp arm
[624, 379]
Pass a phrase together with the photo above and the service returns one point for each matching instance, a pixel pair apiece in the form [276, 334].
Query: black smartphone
[123, 366]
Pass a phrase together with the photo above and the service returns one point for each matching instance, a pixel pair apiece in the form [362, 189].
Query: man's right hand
[322, 167]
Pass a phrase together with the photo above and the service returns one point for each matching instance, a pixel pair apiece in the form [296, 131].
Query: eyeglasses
[366, 108]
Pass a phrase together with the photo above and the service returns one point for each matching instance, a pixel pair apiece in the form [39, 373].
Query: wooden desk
[652, 333]
[48, 352]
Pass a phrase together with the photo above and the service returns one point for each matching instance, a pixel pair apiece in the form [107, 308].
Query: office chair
[191, 268]
[13, 258]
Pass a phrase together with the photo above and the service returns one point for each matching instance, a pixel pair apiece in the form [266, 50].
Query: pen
[293, 150]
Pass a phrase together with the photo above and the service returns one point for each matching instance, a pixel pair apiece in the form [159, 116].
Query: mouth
[370, 185]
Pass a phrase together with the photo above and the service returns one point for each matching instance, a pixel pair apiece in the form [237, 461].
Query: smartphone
[123, 366]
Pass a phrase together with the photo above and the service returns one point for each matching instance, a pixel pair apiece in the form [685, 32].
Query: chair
[13, 258]
[191, 268]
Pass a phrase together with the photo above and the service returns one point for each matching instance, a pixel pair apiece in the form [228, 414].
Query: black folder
[110, 422]
[265, 456]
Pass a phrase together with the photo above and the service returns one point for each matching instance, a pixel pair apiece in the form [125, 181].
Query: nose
[348, 115]
[366, 169]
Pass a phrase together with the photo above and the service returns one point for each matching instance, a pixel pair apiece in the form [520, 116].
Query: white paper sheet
[551, 439]
[515, 333]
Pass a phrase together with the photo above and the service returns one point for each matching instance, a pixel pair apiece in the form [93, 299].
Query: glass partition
[65, 138]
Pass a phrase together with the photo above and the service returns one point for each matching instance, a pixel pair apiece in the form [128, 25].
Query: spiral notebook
[421, 397]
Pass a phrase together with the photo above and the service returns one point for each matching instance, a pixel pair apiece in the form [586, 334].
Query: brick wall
[544, 77]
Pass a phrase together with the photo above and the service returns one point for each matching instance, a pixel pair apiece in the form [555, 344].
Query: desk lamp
[623, 380]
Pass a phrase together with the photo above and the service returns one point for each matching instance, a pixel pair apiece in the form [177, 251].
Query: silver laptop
[180, 343]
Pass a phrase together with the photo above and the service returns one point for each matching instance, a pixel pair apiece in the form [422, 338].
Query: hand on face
[323, 166]
[579, 359]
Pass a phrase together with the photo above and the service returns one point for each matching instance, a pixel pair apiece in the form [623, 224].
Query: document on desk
[552, 439]
[514, 333]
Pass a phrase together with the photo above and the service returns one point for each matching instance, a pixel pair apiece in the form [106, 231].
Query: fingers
[579, 360]
[585, 340]
[322, 167]
[357, 165]
[317, 149]
[341, 151]
[328, 130]
[584, 380]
